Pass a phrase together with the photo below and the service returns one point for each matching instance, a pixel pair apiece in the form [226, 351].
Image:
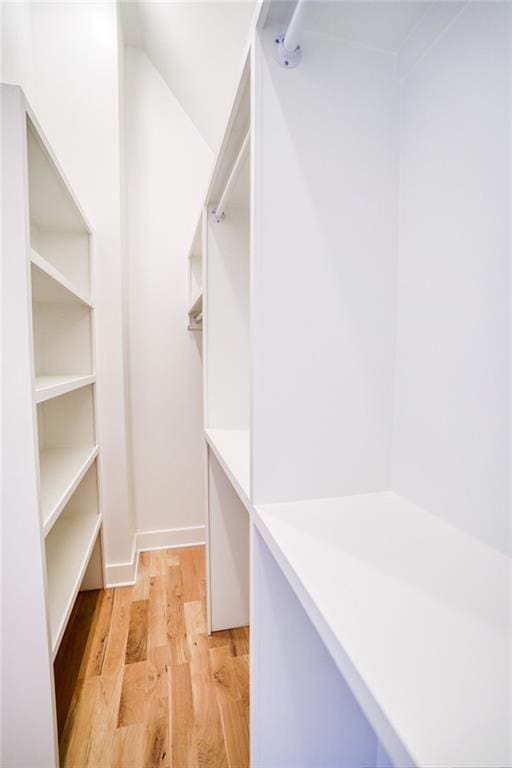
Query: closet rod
[292, 38]
[218, 213]
[288, 52]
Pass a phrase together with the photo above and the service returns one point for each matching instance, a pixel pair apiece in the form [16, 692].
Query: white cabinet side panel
[302, 711]
[27, 687]
[228, 551]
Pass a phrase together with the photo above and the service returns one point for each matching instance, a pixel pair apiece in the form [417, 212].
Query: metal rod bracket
[287, 59]
[216, 218]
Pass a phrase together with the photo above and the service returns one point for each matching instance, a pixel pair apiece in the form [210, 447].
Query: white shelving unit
[52, 532]
[363, 422]
[227, 370]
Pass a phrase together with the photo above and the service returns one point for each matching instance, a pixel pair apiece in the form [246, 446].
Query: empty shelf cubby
[67, 447]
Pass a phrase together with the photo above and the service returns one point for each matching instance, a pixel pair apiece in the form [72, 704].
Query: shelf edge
[242, 493]
[55, 390]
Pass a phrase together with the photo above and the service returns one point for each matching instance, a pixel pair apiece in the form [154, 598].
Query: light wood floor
[140, 683]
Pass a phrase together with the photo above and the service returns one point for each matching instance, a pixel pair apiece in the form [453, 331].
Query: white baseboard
[125, 574]
[121, 574]
[171, 537]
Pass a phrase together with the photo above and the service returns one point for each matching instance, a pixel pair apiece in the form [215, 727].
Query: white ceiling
[197, 46]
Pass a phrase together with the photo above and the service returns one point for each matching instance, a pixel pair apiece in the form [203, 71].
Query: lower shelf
[69, 546]
[414, 612]
[233, 452]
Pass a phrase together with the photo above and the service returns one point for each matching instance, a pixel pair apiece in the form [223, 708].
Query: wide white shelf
[68, 549]
[232, 450]
[416, 615]
[61, 470]
[47, 387]
[49, 285]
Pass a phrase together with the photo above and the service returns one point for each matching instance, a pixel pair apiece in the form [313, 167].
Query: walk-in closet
[256, 384]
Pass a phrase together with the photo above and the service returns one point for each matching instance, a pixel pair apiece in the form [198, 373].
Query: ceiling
[197, 46]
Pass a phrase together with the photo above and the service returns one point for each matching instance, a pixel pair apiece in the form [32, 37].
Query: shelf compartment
[61, 470]
[50, 286]
[232, 450]
[395, 592]
[62, 331]
[66, 441]
[58, 228]
[69, 546]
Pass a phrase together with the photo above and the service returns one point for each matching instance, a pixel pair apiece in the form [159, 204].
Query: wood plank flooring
[139, 682]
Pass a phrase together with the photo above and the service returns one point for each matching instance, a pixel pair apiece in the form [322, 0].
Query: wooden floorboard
[140, 684]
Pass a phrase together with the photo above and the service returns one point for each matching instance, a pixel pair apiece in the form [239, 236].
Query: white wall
[167, 167]
[197, 47]
[65, 56]
[452, 403]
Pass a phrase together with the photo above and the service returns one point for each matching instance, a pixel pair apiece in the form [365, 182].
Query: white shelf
[415, 615]
[49, 285]
[61, 470]
[47, 387]
[68, 549]
[232, 450]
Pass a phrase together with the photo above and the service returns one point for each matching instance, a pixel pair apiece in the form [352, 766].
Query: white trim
[170, 537]
[121, 574]
[125, 574]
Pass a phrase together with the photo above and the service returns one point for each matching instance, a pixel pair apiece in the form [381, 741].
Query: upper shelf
[415, 614]
[49, 285]
[232, 449]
